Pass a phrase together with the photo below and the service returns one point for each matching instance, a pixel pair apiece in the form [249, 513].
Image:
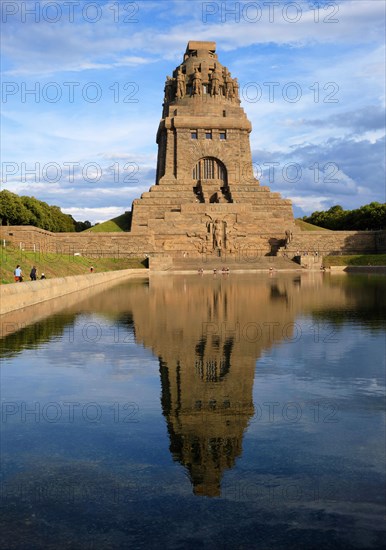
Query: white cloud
[94, 215]
[309, 204]
[79, 46]
[349, 53]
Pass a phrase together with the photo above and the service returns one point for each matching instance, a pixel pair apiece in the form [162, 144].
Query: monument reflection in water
[208, 336]
[228, 347]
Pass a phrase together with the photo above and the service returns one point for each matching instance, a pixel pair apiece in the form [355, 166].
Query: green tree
[25, 210]
[35, 209]
[368, 217]
[12, 209]
[8, 207]
[82, 226]
[62, 222]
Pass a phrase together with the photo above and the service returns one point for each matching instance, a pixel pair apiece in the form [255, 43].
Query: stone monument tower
[205, 199]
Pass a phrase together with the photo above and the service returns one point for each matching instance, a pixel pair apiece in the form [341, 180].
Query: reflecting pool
[189, 411]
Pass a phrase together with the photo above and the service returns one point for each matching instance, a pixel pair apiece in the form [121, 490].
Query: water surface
[228, 411]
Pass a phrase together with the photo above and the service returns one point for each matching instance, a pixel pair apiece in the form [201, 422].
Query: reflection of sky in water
[109, 456]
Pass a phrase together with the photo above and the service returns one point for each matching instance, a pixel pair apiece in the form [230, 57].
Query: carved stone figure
[197, 86]
[228, 84]
[215, 82]
[288, 236]
[218, 234]
[168, 89]
[235, 88]
[200, 242]
[231, 234]
[180, 84]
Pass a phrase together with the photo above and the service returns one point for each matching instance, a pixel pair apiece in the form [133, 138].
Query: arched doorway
[210, 176]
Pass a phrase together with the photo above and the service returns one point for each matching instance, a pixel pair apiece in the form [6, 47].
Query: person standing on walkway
[18, 274]
[33, 273]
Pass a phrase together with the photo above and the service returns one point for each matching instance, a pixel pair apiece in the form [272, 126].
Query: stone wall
[19, 295]
[121, 245]
[337, 242]
[380, 242]
[116, 245]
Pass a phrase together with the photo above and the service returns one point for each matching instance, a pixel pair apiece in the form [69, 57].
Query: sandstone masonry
[205, 199]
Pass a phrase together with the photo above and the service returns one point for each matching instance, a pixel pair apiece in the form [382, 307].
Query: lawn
[120, 223]
[58, 265]
[359, 259]
[305, 226]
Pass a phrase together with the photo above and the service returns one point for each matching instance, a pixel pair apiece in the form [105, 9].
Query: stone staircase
[210, 263]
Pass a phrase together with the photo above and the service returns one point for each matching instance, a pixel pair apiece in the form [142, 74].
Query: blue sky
[82, 91]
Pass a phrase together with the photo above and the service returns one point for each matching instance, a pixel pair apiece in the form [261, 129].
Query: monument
[206, 199]
[206, 204]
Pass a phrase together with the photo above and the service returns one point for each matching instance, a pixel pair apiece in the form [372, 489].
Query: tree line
[369, 217]
[24, 210]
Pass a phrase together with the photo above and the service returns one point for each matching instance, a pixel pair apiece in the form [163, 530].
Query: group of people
[18, 274]
[215, 271]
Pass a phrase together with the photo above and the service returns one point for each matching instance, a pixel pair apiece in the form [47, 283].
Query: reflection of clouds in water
[95, 359]
[336, 388]
[330, 351]
[93, 342]
[85, 376]
[371, 386]
[205, 419]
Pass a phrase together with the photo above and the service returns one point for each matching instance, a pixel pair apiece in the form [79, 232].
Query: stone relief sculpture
[235, 89]
[201, 243]
[288, 236]
[218, 234]
[215, 82]
[181, 90]
[230, 236]
[169, 84]
[218, 82]
[228, 84]
[197, 83]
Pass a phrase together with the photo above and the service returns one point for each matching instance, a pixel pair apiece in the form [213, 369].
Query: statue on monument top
[180, 84]
[169, 89]
[197, 87]
[215, 82]
[235, 89]
[228, 84]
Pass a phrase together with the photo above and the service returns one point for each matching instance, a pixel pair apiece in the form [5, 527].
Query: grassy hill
[120, 223]
[58, 265]
[305, 226]
[357, 259]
